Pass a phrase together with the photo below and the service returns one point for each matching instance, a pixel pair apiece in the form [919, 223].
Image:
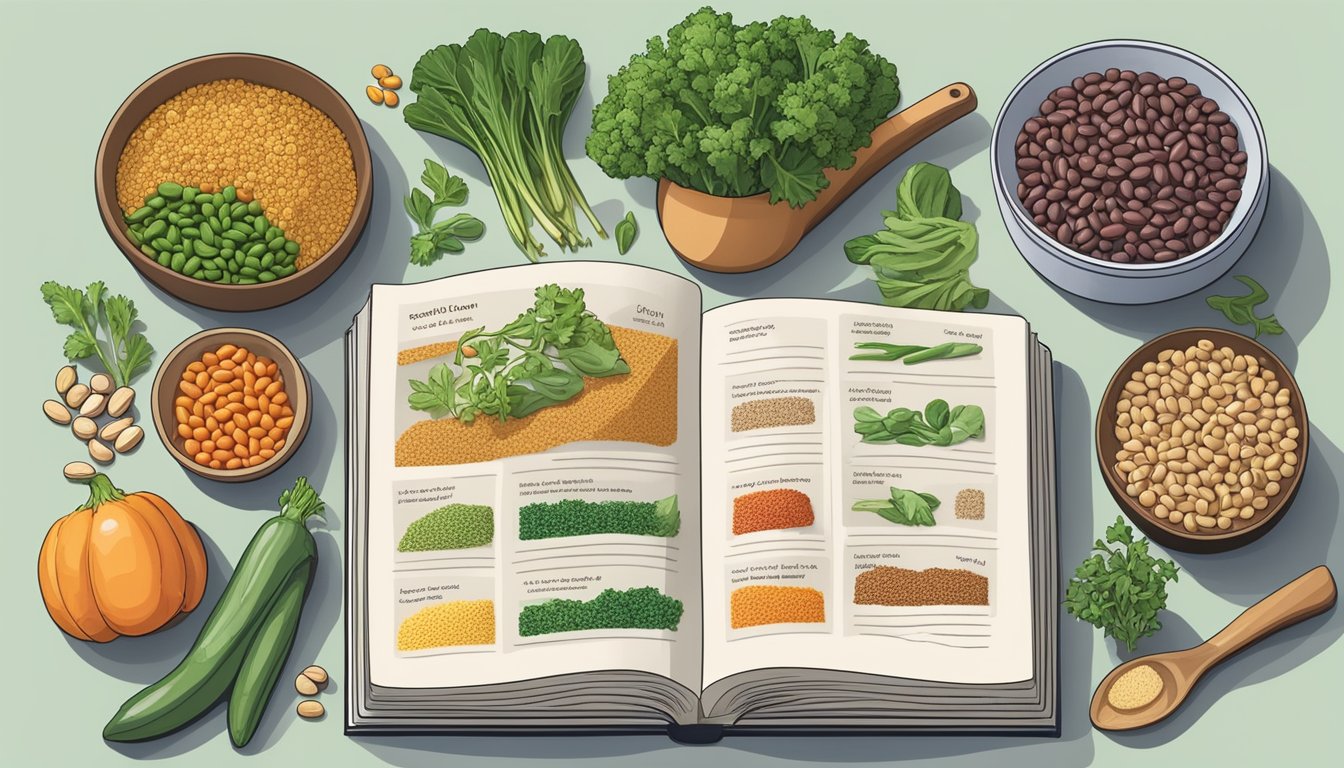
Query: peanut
[76, 395]
[79, 470]
[101, 383]
[305, 686]
[94, 405]
[128, 439]
[99, 451]
[84, 427]
[114, 428]
[56, 412]
[66, 378]
[120, 401]
[311, 709]
[316, 674]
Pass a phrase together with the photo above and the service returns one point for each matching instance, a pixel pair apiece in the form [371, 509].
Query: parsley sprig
[433, 240]
[536, 361]
[124, 353]
[1121, 590]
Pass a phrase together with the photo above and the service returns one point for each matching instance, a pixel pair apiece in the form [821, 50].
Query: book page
[563, 538]
[905, 554]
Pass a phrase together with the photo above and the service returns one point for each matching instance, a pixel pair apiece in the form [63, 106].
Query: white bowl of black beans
[1129, 172]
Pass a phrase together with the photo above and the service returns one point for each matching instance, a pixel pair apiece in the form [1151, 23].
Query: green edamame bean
[193, 264]
[212, 274]
[230, 193]
[133, 236]
[220, 263]
[238, 210]
[257, 250]
[178, 261]
[208, 209]
[268, 261]
[237, 259]
[206, 249]
[174, 235]
[189, 194]
[161, 243]
[165, 260]
[235, 236]
[217, 199]
[155, 229]
[254, 207]
[140, 215]
[225, 222]
[191, 232]
[207, 233]
[170, 190]
[248, 271]
[252, 262]
[169, 254]
[187, 209]
[189, 248]
[261, 224]
[174, 218]
[273, 232]
[156, 202]
[265, 276]
[149, 251]
[292, 248]
[276, 243]
[286, 260]
[247, 281]
[282, 271]
[244, 227]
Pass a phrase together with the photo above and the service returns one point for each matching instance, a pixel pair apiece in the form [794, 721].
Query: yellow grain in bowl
[275, 146]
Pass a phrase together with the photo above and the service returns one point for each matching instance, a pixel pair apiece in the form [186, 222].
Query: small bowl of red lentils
[231, 404]
[234, 181]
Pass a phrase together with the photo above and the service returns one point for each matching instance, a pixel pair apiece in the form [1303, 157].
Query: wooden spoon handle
[892, 138]
[1308, 595]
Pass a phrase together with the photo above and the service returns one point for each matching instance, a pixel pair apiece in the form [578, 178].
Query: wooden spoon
[1310, 594]
[742, 234]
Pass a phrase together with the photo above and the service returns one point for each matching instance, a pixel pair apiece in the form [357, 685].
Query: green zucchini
[280, 547]
[266, 657]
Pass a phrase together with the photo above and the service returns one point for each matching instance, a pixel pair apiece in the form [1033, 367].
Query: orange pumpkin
[122, 564]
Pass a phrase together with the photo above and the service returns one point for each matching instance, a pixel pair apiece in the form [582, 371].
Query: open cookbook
[578, 503]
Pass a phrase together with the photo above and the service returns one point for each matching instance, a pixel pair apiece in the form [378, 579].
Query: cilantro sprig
[1241, 309]
[434, 239]
[124, 352]
[538, 360]
[1121, 590]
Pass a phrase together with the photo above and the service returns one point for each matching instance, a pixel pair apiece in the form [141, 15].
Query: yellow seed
[391, 82]
[390, 98]
[380, 71]
[374, 93]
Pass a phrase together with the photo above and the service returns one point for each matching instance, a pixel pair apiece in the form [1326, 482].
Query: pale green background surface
[67, 66]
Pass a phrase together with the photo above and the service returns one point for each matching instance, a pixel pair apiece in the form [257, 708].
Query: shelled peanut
[1208, 437]
[81, 405]
[232, 410]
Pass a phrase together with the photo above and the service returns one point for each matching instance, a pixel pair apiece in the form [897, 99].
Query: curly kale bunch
[575, 517]
[736, 110]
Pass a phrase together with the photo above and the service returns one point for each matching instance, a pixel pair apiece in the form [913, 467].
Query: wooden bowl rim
[296, 386]
[110, 212]
[1107, 443]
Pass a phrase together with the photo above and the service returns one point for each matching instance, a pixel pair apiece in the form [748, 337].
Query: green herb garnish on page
[536, 361]
[905, 507]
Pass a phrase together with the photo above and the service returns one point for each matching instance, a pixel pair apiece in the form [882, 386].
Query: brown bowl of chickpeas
[1202, 439]
[231, 404]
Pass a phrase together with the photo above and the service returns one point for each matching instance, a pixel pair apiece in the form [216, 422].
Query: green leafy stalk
[125, 353]
[905, 507]
[537, 361]
[1121, 590]
[1241, 309]
[508, 99]
[301, 502]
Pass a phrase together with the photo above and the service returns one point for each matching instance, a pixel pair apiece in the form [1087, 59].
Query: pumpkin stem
[300, 502]
[101, 491]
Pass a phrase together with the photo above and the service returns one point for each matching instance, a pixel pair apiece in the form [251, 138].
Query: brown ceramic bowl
[1242, 532]
[166, 391]
[263, 70]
